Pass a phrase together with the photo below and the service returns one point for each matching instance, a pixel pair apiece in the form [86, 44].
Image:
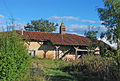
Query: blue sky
[72, 12]
[76, 14]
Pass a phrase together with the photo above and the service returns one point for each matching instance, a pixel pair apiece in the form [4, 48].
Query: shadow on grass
[79, 76]
[74, 77]
[60, 78]
[83, 75]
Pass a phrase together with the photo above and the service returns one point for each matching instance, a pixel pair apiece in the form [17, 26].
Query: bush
[14, 60]
[93, 67]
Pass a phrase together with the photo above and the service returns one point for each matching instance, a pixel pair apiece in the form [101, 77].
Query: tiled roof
[57, 38]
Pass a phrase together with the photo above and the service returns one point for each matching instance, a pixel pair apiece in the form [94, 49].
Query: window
[32, 52]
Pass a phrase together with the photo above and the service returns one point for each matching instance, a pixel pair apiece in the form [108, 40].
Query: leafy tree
[41, 26]
[92, 34]
[110, 14]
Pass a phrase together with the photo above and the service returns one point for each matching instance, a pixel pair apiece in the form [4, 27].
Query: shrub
[14, 60]
[96, 67]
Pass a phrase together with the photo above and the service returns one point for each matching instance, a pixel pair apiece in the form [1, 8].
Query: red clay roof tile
[57, 38]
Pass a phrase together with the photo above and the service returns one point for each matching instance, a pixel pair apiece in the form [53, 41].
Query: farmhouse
[55, 45]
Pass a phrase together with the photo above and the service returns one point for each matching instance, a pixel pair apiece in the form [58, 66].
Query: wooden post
[88, 50]
[76, 54]
[57, 52]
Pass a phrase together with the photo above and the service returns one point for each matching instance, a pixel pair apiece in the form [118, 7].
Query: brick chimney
[62, 28]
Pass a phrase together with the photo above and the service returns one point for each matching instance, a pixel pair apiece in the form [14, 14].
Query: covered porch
[74, 52]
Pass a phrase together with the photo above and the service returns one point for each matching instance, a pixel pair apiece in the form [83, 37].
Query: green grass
[88, 68]
[51, 71]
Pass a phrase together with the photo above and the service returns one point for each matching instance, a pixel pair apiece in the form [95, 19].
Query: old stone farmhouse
[55, 45]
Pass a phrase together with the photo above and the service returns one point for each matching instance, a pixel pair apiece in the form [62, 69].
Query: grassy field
[48, 70]
[88, 68]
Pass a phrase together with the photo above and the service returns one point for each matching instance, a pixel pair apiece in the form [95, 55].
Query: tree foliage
[14, 59]
[91, 33]
[110, 14]
[41, 26]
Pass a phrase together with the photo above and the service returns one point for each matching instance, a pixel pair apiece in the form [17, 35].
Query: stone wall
[47, 50]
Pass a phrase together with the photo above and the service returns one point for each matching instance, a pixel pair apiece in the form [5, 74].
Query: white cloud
[70, 18]
[17, 26]
[2, 26]
[65, 18]
[101, 22]
[77, 27]
[20, 24]
[1, 16]
[0, 21]
[77, 33]
[103, 28]
[88, 21]
[86, 27]
[81, 29]
[91, 21]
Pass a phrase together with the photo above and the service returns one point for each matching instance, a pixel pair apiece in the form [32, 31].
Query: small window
[32, 52]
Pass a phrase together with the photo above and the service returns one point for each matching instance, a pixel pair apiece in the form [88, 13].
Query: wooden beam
[27, 42]
[40, 43]
[97, 51]
[81, 49]
[65, 53]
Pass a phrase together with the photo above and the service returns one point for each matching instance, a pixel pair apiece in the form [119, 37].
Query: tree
[110, 15]
[41, 26]
[92, 34]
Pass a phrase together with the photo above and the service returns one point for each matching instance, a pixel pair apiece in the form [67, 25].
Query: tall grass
[95, 68]
[35, 72]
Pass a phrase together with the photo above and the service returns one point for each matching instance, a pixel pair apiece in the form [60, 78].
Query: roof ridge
[48, 33]
[36, 31]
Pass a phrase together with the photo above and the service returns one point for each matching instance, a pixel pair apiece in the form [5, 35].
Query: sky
[76, 14]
